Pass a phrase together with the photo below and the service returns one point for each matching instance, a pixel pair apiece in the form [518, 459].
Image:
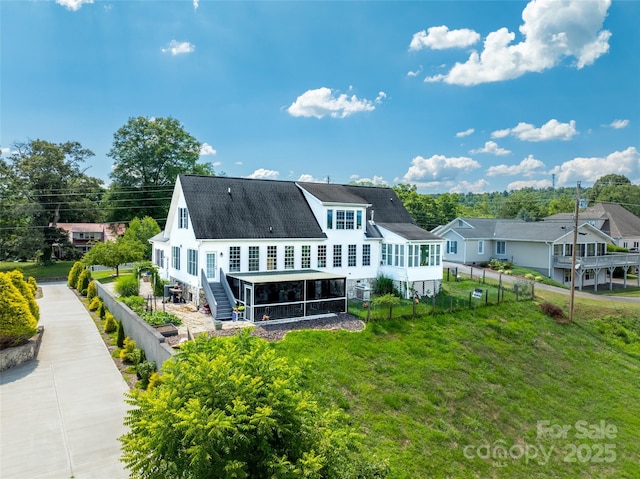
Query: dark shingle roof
[240, 208]
[618, 221]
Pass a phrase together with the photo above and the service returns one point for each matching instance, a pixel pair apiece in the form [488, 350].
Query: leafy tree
[387, 301]
[142, 230]
[17, 322]
[605, 183]
[231, 408]
[149, 154]
[422, 208]
[43, 184]
[114, 253]
[615, 189]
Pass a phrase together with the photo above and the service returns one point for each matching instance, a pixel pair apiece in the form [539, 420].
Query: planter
[218, 325]
[167, 330]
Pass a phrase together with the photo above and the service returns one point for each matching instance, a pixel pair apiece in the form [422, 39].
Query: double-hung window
[501, 248]
[322, 256]
[366, 255]
[289, 257]
[337, 255]
[175, 257]
[305, 259]
[183, 218]
[452, 247]
[340, 219]
[272, 257]
[352, 253]
[254, 258]
[234, 259]
[349, 214]
[192, 262]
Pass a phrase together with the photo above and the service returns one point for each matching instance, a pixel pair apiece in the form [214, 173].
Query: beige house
[544, 246]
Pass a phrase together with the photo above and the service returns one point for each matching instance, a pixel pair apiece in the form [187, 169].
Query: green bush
[128, 286]
[102, 310]
[95, 303]
[154, 380]
[144, 371]
[384, 285]
[92, 290]
[131, 354]
[120, 335]
[110, 324]
[74, 274]
[83, 281]
[136, 303]
[156, 318]
[26, 290]
[17, 322]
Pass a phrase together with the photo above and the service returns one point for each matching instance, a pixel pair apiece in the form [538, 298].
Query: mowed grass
[439, 395]
[54, 271]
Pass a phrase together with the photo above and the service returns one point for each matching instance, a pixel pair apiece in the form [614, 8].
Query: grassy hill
[440, 395]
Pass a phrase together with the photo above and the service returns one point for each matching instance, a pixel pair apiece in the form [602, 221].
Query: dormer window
[183, 218]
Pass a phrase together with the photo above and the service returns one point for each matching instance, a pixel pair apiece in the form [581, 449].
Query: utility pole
[573, 255]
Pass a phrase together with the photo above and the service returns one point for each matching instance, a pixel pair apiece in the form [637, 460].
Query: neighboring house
[612, 219]
[544, 246]
[83, 235]
[285, 249]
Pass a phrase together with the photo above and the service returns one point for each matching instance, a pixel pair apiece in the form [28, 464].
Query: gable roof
[618, 221]
[238, 208]
[513, 230]
[384, 208]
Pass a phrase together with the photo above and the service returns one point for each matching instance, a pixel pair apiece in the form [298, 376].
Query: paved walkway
[61, 415]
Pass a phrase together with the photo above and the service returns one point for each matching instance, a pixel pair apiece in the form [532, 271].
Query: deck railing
[606, 261]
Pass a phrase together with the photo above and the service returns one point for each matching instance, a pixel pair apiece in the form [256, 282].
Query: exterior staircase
[225, 308]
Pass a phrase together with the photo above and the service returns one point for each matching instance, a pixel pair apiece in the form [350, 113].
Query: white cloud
[239, 163]
[323, 102]
[552, 31]
[5, 151]
[625, 163]
[551, 130]
[414, 73]
[207, 149]
[440, 38]
[527, 167]
[492, 148]
[468, 132]
[470, 186]
[518, 185]
[73, 5]
[217, 164]
[376, 180]
[619, 124]
[196, 4]
[307, 178]
[179, 48]
[264, 174]
[438, 168]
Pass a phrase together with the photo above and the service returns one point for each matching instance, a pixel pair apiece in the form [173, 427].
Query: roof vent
[229, 190]
[270, 229]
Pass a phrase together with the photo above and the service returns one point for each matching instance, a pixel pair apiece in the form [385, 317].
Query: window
[501, 247]
[399, 255]
[234, 258]
[306, 257]
[366, 255]
[589, 274]
[289, 257]
[359, 220]
[591, 249]
[581, 249]
[160, 258]
[352, 254]
[480, 246]
[329, 219]
[175, 257]
[429, 255]
[557, 250]
[340, 221]
[272, 257]
[337, 255]
[211, 265]
[192, 261]
[452, 247]
[254, 258]
[568, 250]
[413, 256]
[389, 254]
[183, 218]
[322, 256]
[349, 220]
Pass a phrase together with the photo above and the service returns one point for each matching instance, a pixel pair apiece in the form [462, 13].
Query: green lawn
[55, 270]
[437, 394]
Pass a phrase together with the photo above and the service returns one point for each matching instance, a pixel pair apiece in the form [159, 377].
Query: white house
[286, 249]
[544, 246]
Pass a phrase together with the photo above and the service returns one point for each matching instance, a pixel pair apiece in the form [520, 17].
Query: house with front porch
[543, 246]
[285, 249]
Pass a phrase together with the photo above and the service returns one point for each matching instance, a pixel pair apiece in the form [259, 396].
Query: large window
[305, 262]
[337, 255]
[234, 259]
[501, 247]
[192, 261]
[349, 222]
[424, 255]
[322, 256]
[289, 258]
[254, 258]
[352, 255]
[183, 218]
[340, 219]
[272, 257]
[175, 257]
[366, 255]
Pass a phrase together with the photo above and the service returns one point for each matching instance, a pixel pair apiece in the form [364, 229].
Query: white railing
[606, 261]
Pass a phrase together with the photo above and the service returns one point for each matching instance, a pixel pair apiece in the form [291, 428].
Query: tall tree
[142, 230]
[44, 184]
[149, 154]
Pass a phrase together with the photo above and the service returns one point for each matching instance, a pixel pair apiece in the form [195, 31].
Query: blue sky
[452, 96]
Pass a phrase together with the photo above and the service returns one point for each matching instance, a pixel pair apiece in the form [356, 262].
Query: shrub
[131, 354]
[33, 284]
[102, 310]
[154, 380]
[74, 274]
[110, 324]
[552, 310]
[92, 290]
[95, 303]
[384, 285]
[136, 303]
[83, 281]
[17, 322]
[144, 371]
[120, 335]
[156, 318]
[26, 290]
[127, 286]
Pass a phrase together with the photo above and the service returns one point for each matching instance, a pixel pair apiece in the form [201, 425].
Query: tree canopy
[142, 230]
[231, 408]
[148, 155]
[114, 253]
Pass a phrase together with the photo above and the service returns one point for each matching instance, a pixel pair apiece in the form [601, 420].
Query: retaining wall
[145, 336]
[11, 357]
